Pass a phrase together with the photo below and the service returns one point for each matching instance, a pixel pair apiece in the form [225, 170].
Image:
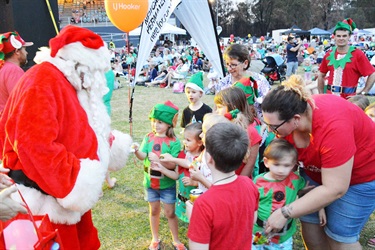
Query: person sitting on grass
[222, 217]
[179, 73]
[160, 78]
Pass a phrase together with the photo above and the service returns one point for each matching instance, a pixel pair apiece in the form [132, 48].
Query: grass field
[121, 215]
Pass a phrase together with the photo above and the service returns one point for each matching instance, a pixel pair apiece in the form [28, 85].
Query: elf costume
[250, 87]
[55, 134]
[345, 69]
[166, 112]
[274, 195]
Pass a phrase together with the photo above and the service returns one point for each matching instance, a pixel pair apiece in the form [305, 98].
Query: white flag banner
[196, 17]
[157, 16]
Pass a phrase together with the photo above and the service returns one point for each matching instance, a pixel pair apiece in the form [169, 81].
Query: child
[277, 188]
[159, 187]
[307, 68]
[222, 218]
[231, 99]
[359, 100]
[196, 109]
[110, 78]
[193, 147]
[201, 172]
[312, 84]
[213, 76]
[370, 111]
[320, 55]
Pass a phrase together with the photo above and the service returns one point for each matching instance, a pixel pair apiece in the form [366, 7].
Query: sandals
[179, 246]
[371, 242]
[155, 245]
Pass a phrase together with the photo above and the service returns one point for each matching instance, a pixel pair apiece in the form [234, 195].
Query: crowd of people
[261, 158]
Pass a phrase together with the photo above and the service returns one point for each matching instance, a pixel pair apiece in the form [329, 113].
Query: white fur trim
[87, 188]
[120, 150]
[41, 204]
[193, 86]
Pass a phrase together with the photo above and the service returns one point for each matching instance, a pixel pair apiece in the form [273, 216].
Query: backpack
[178, 87]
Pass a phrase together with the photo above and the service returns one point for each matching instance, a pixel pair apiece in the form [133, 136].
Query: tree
[226, 14]
[243, 19]
[258, 17]
[329, 12]
[362, 12]
[262, 11]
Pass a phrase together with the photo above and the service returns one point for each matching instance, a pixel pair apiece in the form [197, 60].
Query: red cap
[11, 41]
[71, 34]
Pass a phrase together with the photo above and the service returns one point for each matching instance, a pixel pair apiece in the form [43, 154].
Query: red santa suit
[55, 133]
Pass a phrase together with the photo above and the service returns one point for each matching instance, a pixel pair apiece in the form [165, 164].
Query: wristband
[285, 212]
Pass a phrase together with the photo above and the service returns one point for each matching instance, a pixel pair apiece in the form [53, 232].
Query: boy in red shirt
[223, 217]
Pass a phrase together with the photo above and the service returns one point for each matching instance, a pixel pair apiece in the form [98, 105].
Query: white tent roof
[371, 30]
[167, 29]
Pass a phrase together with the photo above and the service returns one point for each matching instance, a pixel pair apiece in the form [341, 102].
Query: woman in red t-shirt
[336, 148]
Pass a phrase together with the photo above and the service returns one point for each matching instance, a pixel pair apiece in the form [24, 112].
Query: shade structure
[319, 32]
[296, 32]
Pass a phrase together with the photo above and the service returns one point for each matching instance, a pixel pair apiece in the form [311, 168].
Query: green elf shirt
[158, 145]
[274, 195]
[250, 87]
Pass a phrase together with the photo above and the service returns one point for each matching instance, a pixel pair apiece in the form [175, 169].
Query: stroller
[274, 68]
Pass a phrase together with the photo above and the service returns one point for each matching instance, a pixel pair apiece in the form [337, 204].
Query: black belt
[341, 89]
[152, 172]
[261, 224]
[182, 198]
[19, 177]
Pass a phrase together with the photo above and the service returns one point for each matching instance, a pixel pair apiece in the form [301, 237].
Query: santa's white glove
[5, 180]
[8, 207]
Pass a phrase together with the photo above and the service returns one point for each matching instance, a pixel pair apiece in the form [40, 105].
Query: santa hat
[76, 47]
[196, 82]
[9, 42]
[166, 112]
[71, 34]
[347, 24]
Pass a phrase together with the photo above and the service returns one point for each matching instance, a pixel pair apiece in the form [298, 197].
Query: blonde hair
[297, 84]
[371, 106]
[211, 119]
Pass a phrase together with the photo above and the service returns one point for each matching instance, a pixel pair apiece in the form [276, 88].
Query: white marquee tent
[167, 29]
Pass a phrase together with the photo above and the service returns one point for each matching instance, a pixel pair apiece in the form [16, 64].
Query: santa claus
[55, 134]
